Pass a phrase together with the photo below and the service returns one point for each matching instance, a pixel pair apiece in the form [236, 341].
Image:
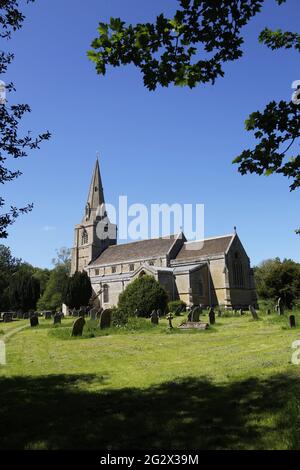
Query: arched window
[105, 294]
[84, 237]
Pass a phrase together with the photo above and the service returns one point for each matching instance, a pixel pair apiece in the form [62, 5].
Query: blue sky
[173, 145]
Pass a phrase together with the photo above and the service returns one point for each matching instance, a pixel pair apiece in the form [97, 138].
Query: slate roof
[135, 251]
[204, 249]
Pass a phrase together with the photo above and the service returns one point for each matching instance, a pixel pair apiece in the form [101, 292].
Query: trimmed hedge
[142, 296]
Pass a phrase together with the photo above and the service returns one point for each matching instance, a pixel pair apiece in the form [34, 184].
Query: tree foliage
[13, 143]
[185, 50]
[78, 290]
[276, 129]
[8, 266]
[190, 49]
[52, 297]
[275, 278]
[24, 291]
[143, 295]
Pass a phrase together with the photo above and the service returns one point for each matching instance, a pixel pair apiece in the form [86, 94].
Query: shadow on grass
[54, 412]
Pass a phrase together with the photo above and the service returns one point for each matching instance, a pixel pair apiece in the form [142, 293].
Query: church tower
[95, 233]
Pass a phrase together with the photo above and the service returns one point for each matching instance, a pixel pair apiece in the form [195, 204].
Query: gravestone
[57, 318]
[219, 313]
[196, 314]
[292, 319]
[78, 327]
[48, 314]
[170, 317]
[159, 313]
[280, 306]
[193, 326]
[212, 316]
[7, 317]
[154, 318]
[241, 312]
[190, 314]
[93, 313]
[34, 320]
[253, 312]
[105, 319]
[75, 312]
[20, 315]
[25, 316]
[269, 311]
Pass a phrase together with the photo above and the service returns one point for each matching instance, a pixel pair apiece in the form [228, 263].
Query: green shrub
[119, 318]
[175, 304]
[143, 295]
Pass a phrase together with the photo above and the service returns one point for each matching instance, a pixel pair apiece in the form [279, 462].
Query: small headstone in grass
[154, 318]
[280, 306]
[48, 315]
[78, 327]
[219, 313]
[20, 315]
[170, 317]
[159, 313]
[212, 316]
[57, 318]
[34, 320]
[93, 313]
[292, 319]
[105, 319]
[196, 313]
[268, 311]
[25, 316]
[241, 312]
[74, 312]
[253, 312]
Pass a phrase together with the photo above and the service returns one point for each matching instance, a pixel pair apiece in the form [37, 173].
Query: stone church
[215, 271]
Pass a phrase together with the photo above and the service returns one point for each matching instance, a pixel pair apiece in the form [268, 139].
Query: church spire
[96, 196]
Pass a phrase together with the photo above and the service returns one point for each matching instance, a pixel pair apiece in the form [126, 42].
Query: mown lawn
[143, 387]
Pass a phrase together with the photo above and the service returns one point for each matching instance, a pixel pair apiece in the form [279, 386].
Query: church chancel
[215, 271]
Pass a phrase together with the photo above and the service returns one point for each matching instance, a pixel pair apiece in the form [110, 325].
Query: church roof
[136, 251]
[204, 248]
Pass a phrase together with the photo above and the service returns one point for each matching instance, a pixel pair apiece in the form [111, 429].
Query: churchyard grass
[232, 386]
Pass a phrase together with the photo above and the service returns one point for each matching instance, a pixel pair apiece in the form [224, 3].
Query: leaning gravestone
[253, 312]
[78, 327]
[212, 316]
[159, 313]
[34, 321]
[93, 313]
[105, 319]
[57, 319]
[292, 319]
[154, 318]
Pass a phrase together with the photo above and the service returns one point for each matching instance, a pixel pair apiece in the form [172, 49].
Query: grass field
[145, 387]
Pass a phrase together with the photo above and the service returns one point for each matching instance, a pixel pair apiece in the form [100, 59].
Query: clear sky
[172, 145]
